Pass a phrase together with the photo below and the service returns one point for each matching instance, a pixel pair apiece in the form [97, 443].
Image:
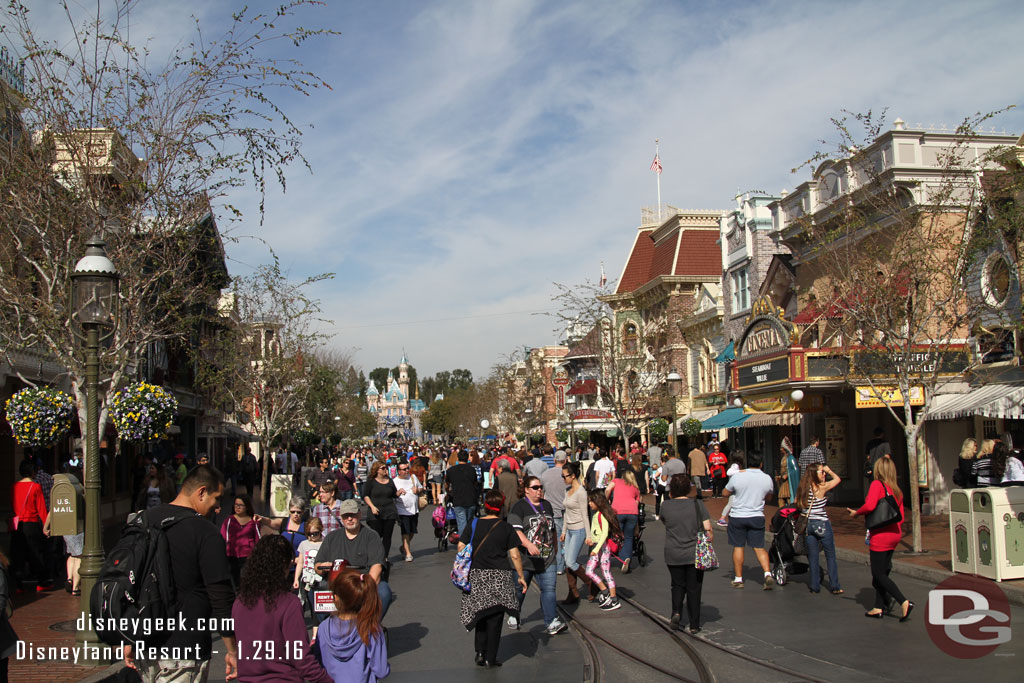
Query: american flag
[656, 165]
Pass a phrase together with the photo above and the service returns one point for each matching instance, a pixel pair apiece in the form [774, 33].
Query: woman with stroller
[810, 500]
[883, 541]
[684, 518]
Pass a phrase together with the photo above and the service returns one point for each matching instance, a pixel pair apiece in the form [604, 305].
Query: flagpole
[657, 156]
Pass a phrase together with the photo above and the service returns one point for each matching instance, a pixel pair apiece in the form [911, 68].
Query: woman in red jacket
[28, 542]
[883, 541]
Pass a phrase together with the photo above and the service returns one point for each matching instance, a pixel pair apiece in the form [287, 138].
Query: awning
[728, 354]
[697, 415]
[727, 419]
[772, 420]
[583, 387]
[1001, 400]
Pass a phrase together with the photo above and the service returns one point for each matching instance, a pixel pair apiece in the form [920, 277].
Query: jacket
[346, 657]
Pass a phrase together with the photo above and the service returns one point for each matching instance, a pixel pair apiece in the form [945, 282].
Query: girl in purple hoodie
[351, 643]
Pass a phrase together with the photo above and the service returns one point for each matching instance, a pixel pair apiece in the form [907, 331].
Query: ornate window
[995, 280]
[630, 338]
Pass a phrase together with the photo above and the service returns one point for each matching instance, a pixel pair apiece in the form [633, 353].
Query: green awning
[727, 419]
[728, 354]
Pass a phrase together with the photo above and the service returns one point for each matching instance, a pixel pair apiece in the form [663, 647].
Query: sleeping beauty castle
[398, 415]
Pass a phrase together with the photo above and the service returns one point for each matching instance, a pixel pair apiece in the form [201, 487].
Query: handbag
[464, 558]
[704, 557]
[614, 543]
[16, 519]
[886, 512]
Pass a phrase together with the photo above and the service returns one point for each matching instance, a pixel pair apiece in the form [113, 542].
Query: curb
[1014, 594]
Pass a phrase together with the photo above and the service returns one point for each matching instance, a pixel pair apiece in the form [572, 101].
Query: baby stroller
[639, 549]
[784, 551]
[446, 528]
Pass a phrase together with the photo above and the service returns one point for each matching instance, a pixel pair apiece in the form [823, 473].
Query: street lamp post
[94, 307]
[570, 402]
[674, 381]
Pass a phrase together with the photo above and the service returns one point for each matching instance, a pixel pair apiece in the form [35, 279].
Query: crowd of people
[528, 516]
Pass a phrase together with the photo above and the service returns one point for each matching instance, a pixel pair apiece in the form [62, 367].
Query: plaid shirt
[809, 455]
[329, 516]
[45, 482]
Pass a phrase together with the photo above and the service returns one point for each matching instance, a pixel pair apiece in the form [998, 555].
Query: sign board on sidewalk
[323, 601]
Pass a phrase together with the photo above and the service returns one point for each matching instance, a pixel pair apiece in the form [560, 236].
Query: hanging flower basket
[658, 429]
[583, 434]
[562, 435]
[691, 427]
[39, 417]
[143, 412]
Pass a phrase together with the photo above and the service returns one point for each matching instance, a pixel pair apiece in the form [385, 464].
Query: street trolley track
[667, 627]
[704, 673]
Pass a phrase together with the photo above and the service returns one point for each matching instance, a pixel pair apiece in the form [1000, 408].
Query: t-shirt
[408, 502]
[670, 467]
[462, 480]
[604, 472]
[531, 521]
[683, 518]
[554, 489]
[492, 553]
[307, 553]
[749, 488]
[625, 498]
[535, 467]
[362, 552]
[199, 564]
[383, 498]
[654, 453]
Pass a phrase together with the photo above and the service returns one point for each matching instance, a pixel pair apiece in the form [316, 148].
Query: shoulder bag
[886, 512]
[704, 557]
[464, 559]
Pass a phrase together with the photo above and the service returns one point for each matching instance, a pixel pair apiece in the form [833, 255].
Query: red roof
[583, 387]
[698, 254]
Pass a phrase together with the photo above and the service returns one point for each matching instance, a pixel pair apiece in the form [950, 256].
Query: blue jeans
[346, 495]
[628, 525]
[814, 545]
[464, 516]
[547, 580]
[383, 592]
[559, 558]
[574, 539]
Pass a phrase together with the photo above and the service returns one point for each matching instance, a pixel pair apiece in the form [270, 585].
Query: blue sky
[471, 153]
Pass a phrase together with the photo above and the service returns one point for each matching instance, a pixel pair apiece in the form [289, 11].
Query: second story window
[630, 338]
[740, 291]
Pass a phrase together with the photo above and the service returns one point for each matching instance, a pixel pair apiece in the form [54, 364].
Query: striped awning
[772, 420]
[999, 400]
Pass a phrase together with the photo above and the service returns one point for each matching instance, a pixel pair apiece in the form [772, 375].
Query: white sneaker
[557, 626]
[513, 623]
[408, 558]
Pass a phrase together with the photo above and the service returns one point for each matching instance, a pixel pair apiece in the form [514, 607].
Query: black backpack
[135, 587]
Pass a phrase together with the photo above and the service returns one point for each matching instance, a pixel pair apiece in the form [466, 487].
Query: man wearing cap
[358, 545]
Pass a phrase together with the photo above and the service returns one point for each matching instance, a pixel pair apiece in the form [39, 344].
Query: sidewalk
[934, 564]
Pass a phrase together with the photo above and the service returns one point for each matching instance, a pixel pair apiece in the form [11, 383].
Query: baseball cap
[348, 507]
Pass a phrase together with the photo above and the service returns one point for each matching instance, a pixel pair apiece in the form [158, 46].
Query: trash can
[999, 523]
[961, 532]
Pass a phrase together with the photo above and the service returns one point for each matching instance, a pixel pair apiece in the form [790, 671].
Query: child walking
[306, 578]
[351, 643]
[604, 525]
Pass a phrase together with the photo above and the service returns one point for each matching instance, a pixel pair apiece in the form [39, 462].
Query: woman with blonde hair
[964, 477]
[981, 468]
[624, 495]
[883, 540]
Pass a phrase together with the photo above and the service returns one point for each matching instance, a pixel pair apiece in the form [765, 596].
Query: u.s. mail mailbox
[67, 507]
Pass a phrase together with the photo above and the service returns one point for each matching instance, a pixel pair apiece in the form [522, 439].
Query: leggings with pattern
[604, 557]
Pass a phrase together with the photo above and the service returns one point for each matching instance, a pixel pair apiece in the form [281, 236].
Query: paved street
[822, 636]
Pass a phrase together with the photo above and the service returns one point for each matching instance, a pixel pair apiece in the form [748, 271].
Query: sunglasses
[295, 512]
[315, 533]
[350, 515]
[566, 476]
[403, 469]
[534, 488]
